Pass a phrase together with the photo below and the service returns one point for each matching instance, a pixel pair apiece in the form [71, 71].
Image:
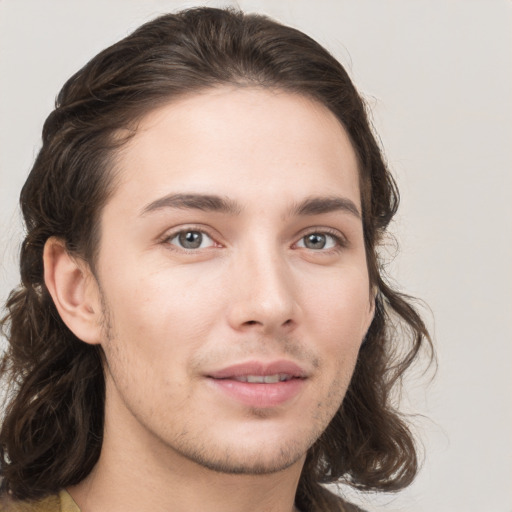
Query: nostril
[255, 322]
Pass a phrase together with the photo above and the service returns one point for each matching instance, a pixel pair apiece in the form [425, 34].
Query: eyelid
[174, 232]
[338, 236]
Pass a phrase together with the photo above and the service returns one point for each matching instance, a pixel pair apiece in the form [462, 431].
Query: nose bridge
[264, 291]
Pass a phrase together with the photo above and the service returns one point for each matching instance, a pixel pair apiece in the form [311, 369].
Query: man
[202, 322]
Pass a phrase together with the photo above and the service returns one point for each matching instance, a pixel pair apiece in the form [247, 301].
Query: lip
[259, 395]
[259, 368]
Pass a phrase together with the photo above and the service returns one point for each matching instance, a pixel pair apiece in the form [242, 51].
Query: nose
[263, 296]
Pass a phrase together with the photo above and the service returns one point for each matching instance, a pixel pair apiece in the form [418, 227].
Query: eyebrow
[319, 205]
[204, 202]
[213, 203]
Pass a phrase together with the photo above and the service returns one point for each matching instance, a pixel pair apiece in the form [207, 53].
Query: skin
[268, 282]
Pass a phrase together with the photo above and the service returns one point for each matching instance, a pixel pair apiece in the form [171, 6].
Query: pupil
[191, 239]
[315, 241]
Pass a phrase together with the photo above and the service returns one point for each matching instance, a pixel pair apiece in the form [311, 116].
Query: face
[233, 278]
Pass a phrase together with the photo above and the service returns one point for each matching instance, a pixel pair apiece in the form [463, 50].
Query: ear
[74, 291]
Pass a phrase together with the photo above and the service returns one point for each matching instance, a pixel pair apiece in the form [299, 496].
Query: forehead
[242, 142]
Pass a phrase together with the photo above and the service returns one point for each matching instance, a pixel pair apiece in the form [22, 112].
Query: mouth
[260, 372]
[260, 385]
[264, 379]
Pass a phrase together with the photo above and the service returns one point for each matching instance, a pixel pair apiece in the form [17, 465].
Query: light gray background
[438, 77]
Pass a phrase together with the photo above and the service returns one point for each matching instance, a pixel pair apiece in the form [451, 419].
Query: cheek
[158, 313]
[340, 305]
[338, 317]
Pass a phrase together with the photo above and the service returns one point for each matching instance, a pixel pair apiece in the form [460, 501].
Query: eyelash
[167, 239]
[340, 240]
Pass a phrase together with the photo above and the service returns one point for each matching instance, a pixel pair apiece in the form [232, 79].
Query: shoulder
[48, 504]
[349, 507]
[336, 503]
[60, 502]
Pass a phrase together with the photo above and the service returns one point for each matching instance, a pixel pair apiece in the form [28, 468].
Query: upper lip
[259, 368]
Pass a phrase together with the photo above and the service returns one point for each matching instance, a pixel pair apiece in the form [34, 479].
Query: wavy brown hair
[51, 435]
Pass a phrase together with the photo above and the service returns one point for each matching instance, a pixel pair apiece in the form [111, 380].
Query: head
[238, 70]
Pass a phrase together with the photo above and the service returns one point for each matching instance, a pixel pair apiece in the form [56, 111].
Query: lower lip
[260, 395]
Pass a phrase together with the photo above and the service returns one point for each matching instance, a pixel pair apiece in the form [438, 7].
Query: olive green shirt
[61, 502]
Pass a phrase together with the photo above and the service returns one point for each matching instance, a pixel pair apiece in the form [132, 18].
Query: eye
[318, 241]
[191, 239]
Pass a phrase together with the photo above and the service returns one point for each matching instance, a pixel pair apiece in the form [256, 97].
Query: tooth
[255, 378]
[263, 379]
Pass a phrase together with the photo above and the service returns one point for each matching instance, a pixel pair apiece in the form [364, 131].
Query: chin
[248, 463]
[256, 451]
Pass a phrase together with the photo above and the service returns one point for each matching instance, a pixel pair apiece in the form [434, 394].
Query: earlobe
[74, 291]
[373, 301]
[371, 308]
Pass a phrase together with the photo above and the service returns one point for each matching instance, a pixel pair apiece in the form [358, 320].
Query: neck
[135, 485]
[102, 490]
[135, 472]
